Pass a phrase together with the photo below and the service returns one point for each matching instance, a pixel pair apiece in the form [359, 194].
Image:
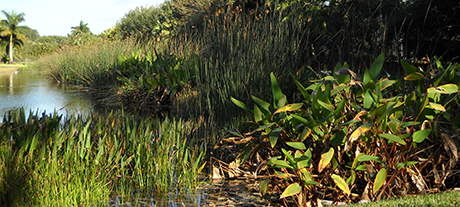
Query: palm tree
[11, 33]
[82, 28]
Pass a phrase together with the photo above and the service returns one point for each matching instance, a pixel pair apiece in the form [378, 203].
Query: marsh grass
[48, 161]
[87, 65]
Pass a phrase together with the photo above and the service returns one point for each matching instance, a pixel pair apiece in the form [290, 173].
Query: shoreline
[4, 68]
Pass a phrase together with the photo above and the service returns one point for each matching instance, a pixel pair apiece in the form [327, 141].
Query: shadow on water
[239, 192]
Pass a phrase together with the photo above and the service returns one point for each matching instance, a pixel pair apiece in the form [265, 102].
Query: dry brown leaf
[450, 146]
[417, 179]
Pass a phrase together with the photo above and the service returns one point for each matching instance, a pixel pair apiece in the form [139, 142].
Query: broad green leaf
[414, 76]
[238, 103]
[297, 145]
[277, 94]
[338, 138]
[421, 135]
[326, 106]
[290, 107]
[339, 181]
[386, 84]
[380, 179]
[360, 130]
[408, 68]
[291, 190]
[301, 119]
[307, 179]
[274, 136]
[436, 106]
[262, 103]
[302, 90]
[352, 178]
[376, 67]
[325, 159]
[405, 164]
[394, 138]
[257, 114]
[263, 186]
[362, 168]
[444, 89]
[367, 77]
[263, 127]
[279, 164]
[368, 100]
[364, 158]
[288, 155]
[305, 133]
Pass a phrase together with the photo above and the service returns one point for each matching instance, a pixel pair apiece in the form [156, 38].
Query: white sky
[55, 17]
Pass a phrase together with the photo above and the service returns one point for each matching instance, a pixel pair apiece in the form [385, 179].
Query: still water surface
[37, 93]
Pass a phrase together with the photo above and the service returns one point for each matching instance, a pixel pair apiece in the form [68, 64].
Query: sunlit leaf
[394, 138]
[291, 190]
[305, 133]
[325, 159]
[436, 106]
[364, 158]
[340, 182]
[257, 114]
[414, 76]
[421, 135]
[406, 164]
[279, 164]
[380, 179]
[262, 103]
[290, 107]
[444, 89]
[238, 103]
[277, 94]
[274, 136]
[263, 186]
[297, 145]
[357, 133]
[326, 106]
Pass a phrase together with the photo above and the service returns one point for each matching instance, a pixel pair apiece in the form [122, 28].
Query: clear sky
[55, 17]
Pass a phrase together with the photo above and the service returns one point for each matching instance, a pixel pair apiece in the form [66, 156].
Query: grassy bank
[12, 67]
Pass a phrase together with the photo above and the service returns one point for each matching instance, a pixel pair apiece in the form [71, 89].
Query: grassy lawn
[439, 199]
[8, 67]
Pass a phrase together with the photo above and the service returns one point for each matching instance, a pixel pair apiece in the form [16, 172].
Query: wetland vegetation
[344, 101]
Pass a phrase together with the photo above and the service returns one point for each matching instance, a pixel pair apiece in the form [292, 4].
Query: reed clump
[49, 161]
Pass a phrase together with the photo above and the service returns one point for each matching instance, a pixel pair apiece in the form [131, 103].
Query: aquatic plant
[351, 138]
[83, 160]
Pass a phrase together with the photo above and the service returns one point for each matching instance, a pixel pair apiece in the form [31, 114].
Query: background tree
[12, 31]
[80, 29]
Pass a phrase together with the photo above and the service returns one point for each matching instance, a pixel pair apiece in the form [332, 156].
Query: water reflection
[35, 92]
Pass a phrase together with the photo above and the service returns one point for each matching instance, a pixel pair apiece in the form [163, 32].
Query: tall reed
[86, 65]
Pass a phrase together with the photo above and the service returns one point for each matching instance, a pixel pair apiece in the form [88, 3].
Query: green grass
[438, 199]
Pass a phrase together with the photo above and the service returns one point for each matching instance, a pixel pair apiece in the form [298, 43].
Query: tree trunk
[11, 49]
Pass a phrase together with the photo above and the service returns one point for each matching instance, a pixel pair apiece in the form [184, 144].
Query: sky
[56, 17]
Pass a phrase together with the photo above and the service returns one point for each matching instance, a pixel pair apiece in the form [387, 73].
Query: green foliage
[355, 128]
[154, 79]
[49, 161]
[147, 23]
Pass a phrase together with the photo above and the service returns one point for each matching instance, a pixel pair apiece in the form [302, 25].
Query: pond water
[37, 93]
